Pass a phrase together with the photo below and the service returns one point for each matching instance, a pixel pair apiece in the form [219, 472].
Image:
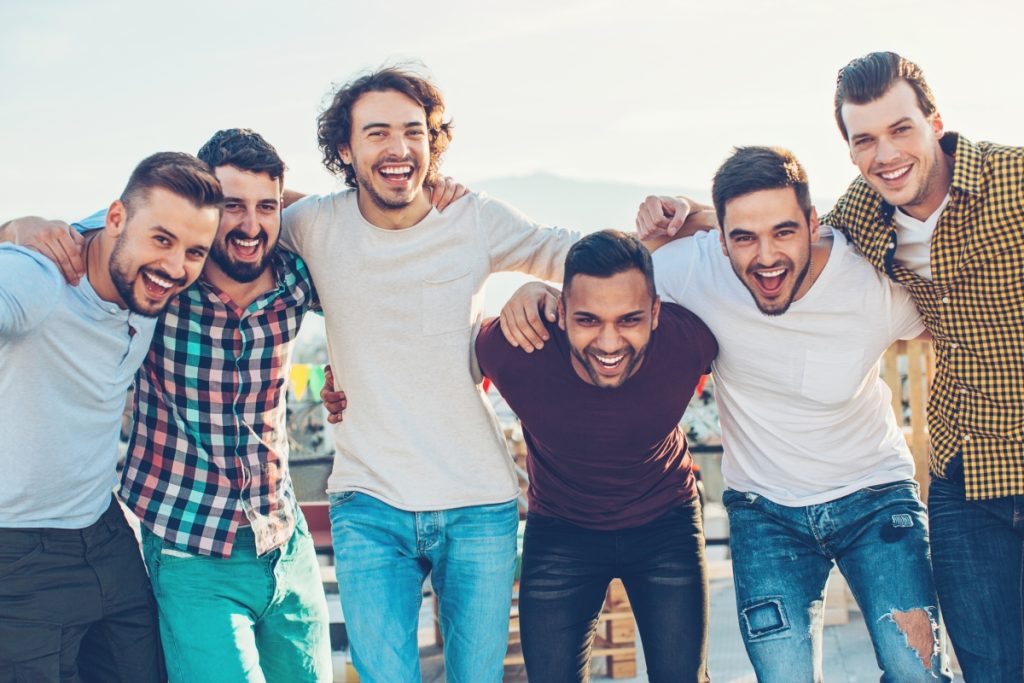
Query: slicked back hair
[606, 253]
[179, 173]
[867, 78]
[752, 169]
[244, 149]
[334, 125]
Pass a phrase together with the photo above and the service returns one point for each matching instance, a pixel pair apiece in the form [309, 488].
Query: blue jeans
[782, 556]
[383, 556]
[978, 558]
[566, 571]
[243, 618]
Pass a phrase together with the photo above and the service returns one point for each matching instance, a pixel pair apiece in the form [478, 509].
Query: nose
[766, 252]
[886, 151]
[173, 263]
[250, 225]
[608, 338]
[398, 146]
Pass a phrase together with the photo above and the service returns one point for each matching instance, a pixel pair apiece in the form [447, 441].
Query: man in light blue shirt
[74, 597]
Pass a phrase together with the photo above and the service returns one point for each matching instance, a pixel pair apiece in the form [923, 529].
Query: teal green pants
[241, 619]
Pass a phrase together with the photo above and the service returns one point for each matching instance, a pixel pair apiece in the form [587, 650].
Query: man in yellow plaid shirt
[944, 217]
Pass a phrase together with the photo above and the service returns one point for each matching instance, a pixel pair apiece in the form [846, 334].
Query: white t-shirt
[805, 416]
[914, 240]
[401, 310]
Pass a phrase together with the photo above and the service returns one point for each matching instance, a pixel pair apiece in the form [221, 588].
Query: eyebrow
[259, 201]
[408, 124]
[739, 232]
[587, 314]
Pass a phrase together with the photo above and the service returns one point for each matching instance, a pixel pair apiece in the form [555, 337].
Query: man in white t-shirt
[422, 480]
[816, 468]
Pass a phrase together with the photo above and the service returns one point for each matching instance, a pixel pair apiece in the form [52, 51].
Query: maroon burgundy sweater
[604, 458]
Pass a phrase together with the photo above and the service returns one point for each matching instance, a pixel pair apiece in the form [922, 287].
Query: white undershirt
[914, 240]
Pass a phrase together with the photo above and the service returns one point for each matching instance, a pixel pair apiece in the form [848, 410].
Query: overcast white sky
[639, 91]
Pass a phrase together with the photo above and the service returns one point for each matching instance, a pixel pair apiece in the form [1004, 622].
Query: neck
[820, 251]
[99, 248]
[939, 186]
[394, 219]
[241, 293]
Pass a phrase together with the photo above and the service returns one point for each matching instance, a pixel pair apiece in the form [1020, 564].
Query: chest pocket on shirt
[447, 303]
[832, 376]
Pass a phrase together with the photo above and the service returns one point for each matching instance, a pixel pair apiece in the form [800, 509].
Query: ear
[345, 152]
[937, 126]
[814, 224]
[655, 312]
[561, 314]
[117, 216]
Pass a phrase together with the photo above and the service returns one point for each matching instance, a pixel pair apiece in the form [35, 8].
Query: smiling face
[768, 241]
[608, 322]
[249, 226]
[390, 152]
[159, 249]
[896, 148]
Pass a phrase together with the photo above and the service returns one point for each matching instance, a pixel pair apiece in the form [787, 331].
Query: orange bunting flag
[300, 380]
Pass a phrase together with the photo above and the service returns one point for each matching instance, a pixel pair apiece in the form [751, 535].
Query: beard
[239, 270]
[120, 269]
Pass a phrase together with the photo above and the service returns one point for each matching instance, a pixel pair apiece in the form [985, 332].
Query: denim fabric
[978, 558]
[383, 556]
[782, 556]
[243, 618]
[566, 571]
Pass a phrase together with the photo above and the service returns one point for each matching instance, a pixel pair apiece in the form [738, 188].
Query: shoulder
[30, 287]
[499, 359]
[684, 329]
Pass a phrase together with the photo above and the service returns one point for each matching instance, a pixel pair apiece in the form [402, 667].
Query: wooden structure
[908, 368]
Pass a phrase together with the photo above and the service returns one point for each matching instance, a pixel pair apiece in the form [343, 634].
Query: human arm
[660, 219]
[521, 317]
[30, 286]
[54, 239]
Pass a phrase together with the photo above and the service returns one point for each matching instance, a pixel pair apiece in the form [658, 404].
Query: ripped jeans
[782, 556]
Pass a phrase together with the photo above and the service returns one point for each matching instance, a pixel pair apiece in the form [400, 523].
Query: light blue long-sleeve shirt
[67, 357]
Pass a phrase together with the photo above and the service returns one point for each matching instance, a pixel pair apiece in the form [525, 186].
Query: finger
[511, 334]
[675, 224]
[71, 256]
[532, 326]
[551, 308]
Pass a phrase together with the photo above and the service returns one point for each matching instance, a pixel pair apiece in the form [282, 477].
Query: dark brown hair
[179, 173]
[752, 169]
[867, 78]
[334, 125]
[606, 253]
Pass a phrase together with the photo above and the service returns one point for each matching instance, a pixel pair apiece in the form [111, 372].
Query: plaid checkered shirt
[210, 445]
[973, 306]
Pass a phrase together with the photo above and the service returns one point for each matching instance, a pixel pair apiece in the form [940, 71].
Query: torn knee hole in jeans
[764, 618]
[920, 629]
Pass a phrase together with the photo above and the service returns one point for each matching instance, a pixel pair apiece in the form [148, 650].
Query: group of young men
[791, 318]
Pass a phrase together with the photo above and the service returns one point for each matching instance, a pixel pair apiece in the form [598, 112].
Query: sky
[641, 92]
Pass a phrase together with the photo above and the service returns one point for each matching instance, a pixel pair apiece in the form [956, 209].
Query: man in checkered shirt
[944, 217]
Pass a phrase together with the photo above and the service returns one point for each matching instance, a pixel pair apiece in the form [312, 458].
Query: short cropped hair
[867, 78]
[334, 125]
[244, 149]
[752, 169]
[179, 173]
[606, 253]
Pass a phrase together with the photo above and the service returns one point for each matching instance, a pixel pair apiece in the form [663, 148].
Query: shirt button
[945, 299]
[967, 437]
[962, 390]
[892, 245]
[954, 345]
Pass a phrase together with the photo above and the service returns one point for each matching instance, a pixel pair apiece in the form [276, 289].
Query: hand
[55, 240]
[334, 401]
[521, 317]
[661, 216]
[446, 191]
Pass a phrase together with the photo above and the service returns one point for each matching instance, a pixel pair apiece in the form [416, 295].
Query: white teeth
[772, 273]
[396, 170]
[246, 243]
[609, 361]
[893, 175]
[158, 281]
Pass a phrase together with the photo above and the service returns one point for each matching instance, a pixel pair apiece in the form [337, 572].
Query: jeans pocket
[733, 498]
[902, 485]
[15, 556]
[338, 499]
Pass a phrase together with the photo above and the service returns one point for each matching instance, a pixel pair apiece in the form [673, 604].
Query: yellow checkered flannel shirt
[973, 306]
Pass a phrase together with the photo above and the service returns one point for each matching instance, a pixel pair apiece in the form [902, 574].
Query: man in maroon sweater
[611, 488]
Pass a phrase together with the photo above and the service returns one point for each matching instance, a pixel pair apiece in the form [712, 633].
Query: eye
[630, 322]
[161, 240]
[232, 206]
[586, 322]
[268, 207]
[197, 254]
[415, 133]
[902, 129]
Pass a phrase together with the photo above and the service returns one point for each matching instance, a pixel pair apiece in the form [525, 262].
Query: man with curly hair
[422, 481]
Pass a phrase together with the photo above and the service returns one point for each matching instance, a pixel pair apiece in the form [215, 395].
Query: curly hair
[245, 149]
[334, 125]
